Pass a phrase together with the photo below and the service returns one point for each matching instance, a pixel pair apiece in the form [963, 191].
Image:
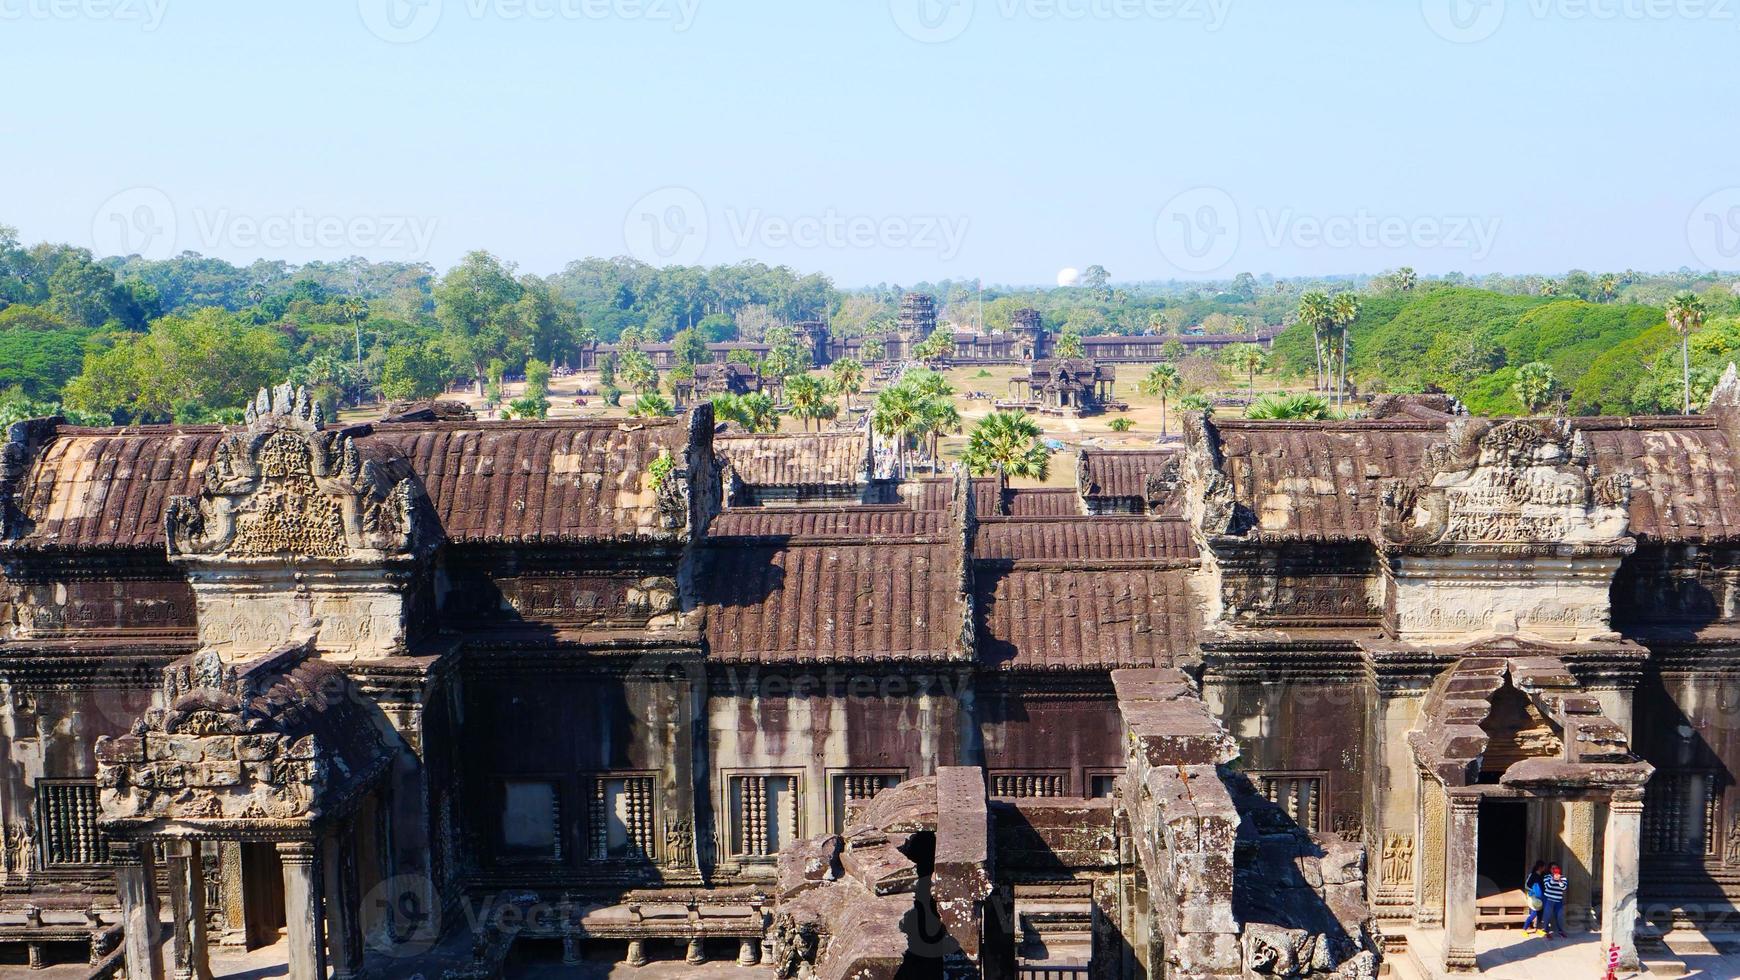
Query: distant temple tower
[1026, 324]
[917, 316]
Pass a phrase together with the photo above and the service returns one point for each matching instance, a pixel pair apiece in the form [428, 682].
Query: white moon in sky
[1069, 277]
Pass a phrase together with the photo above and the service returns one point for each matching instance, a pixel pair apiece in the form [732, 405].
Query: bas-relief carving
[1506, 530]
[1398, 860]
[295, 524]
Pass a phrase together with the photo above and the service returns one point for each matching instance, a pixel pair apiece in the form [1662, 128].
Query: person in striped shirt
[1553, 898]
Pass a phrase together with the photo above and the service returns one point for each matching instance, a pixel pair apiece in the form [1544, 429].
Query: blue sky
[997, 138]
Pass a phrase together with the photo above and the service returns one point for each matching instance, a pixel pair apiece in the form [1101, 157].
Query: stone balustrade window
[1031, 784]
[1299, 795]
[764, 811]
[67, 819]
[857, 786]
[531, 820]
[1680, 814]
[622, 820]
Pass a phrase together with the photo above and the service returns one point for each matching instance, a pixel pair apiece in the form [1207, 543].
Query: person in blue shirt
[1532, 890]
[1553, 902]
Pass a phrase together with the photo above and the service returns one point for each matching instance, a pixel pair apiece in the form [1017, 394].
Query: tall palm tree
[894, 416]
[1009, 441]
[848, 378]
[808, 398]
[1345, 309]
[1163, 382]
[1608, 287]
[1534, 386]
[936, 416]
[1248, 358]
[1317, 311]
[1686, 313]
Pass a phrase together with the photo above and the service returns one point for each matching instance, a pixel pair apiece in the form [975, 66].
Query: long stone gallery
[440, 697]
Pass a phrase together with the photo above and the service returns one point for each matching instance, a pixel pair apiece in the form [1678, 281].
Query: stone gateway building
[444, 697]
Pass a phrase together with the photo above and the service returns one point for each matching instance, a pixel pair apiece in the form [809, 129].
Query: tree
[635, 372]
[1405, 279]
[755, 412]
[185, 366]
[413, 371]
[848, 378]
[1097, 279]
[809, 399]
[786, 353]
[689, 348]
[1607, 287]
[477, 301]
[874, 350]
[937, 416]
[937, 346]
[1317, 311]
[1247, 359]
[537, 377]
[651, 405]
[1172, 350]
[1069, 344]
[528, 407]
[1534, 386]
[895, 416]
[1344, 309]
[1685, 312]
[1163, 382]
[1297, 407]
[1009, 441]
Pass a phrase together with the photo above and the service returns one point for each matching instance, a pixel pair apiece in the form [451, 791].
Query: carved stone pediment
[1507, 482]
[284, 487]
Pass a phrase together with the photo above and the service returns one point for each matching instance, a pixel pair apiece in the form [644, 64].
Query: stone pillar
[636, 953]
[749, 953]
[1430, 848]
[697, 953]
[1619, 879]
[1461, 866]
[1577, 855]
[343, 906]
[189, 949]
[234, 895]
[301, 860]
[136, 881]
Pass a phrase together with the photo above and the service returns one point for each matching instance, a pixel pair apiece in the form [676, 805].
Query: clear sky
[884, 140]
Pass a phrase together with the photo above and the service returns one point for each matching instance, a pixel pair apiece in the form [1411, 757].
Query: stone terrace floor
[1505, 954]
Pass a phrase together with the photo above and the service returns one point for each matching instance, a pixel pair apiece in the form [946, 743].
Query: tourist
[1553, 900]
[1532, 891]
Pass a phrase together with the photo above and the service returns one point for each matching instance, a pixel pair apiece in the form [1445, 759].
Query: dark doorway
[262, 894]
[1504, 845]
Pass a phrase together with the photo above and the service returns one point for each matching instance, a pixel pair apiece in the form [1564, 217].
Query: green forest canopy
[188, 338]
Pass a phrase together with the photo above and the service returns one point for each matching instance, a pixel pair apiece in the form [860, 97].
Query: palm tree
[754, 411]
[808, 398]
[936, 416]
[1248, 358]
[1406, 279]
[895, 416]
[1069, 344]
[1009, 441]
[1608, 287]
[1163, 381]
[651, 405]
[1318, 312]
[848, 378]
[1345, 308]
[1686, 313]
[1534, 386]
[1297, 407]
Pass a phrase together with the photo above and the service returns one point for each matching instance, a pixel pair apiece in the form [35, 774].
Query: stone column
[1461, 867]
[343, 906]
[1577, 854]
[301, 860]
[136, 881]
[1430, 848]
[1619, 879]
[187, 905]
